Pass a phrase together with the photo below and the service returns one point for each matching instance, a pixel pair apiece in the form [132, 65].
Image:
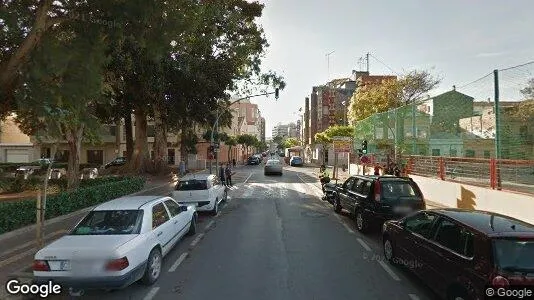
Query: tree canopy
[370, 99]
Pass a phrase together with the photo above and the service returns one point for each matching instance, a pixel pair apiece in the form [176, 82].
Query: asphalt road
[275, 239]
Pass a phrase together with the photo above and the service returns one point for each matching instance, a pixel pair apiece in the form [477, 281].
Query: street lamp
[344, 103]
[216, 123]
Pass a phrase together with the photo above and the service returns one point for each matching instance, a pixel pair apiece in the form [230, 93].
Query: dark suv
[374, 199]
[459, 253]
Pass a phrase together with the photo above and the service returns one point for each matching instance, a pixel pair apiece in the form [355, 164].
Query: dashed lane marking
[345, 225]
[364, 244]
[250, 175]
[209, 225]
[196, 240]
[178, 262]
[151, 294]
[389, 270]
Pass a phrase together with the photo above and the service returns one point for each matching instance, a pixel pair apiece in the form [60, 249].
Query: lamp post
[216, 123]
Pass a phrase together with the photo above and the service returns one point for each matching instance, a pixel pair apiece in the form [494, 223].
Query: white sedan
[118, 243]
[205, 191]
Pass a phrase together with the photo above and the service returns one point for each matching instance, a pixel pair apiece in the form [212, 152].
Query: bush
[23, 213]
[17, 185]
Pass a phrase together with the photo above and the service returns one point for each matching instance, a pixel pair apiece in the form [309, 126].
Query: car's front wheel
[337, 205]
[389, 252]
[153, 267]
[215, 210]
[361, 221]
[192, 226]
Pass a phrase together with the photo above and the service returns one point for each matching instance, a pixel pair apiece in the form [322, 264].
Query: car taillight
[378, 190]
[40, 265]
[499, 281]
[117, 264]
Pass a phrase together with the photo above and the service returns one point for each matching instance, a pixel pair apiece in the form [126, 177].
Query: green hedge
[19, 214]
[33, 183]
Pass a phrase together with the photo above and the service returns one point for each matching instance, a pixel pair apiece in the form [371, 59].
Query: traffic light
[364, 146]
[276, 93]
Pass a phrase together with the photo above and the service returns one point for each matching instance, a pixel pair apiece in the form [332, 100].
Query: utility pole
[497, 127]
[367, 60]
[328, 62]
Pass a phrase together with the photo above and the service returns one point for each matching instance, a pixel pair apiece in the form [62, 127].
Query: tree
[332, 131]
[322, 139]
[231, 141]
[528, 91]
[278, 140]
[247, 141]
[290, 142]
[370, 99]
[62, 84]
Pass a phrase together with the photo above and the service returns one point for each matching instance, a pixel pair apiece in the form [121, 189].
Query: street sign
[342, 144]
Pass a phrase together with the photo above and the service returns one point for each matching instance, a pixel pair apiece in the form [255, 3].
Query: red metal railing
[513, 175]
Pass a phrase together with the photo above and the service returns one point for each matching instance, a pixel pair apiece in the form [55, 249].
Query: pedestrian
[182, 168]
[233, 162]
[222, 174]
[228, 173]
[377, 170]
[396, 171]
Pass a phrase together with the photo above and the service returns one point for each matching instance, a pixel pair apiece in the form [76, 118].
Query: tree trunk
[229, 153]
[183, 148]
[129, 135]
[160, 142]
[140, 161]
[9, 69]
[74, 140]
[118, 137]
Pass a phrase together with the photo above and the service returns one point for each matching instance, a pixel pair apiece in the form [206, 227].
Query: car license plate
[59, 265]
[402, 209]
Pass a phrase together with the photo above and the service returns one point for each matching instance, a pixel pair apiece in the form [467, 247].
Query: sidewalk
[18, 247]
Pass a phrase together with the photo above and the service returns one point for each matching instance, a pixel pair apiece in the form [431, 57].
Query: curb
[30, 228]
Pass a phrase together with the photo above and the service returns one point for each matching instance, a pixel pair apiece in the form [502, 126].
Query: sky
[458, 40]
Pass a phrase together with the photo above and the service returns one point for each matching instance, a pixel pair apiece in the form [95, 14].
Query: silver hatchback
[273, 166]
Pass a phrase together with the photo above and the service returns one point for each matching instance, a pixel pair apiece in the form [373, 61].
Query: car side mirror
[183, 208]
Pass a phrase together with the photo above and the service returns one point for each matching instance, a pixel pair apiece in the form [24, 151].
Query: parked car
[273, 166]
[374, 199]
[206, 191]
[459, 253]
[116, 244]
[119, 161]
[253, 160]
[296, 161]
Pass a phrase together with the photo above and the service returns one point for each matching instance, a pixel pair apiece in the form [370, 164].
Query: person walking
[222, 174]
[377, 170]
[182, 168]
[228, 173]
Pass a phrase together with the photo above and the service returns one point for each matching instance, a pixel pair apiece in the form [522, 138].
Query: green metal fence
[480, 133]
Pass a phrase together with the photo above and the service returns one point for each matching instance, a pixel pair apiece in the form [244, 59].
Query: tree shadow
[467, 199]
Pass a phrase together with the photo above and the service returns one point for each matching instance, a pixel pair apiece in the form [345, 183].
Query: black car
[253, 160]
[460, 253]
[119, 161]
[374, 199]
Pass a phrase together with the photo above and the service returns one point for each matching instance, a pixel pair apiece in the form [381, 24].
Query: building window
[95, 157]
[113, 130]
[150, 131]
[469, 153]
[436, 152]
[487, 154]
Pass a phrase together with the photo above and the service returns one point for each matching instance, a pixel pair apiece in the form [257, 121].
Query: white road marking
[364, 244]
[413, 296]
[250, 175]
[178, 262]
[153, 291]
[346, 226]
[389, 271]
[248, 192]
[32, 243]
[318, 192]
[209, 225]
[196, 240]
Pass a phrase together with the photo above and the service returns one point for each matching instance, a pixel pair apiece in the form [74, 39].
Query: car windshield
[514, 254]
[110, 222]
[393, 191]
[192, 185]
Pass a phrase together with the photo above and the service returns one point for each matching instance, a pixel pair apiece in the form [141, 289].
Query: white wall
[452, 194]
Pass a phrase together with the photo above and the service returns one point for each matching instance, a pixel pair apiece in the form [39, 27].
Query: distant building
[281, 130]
